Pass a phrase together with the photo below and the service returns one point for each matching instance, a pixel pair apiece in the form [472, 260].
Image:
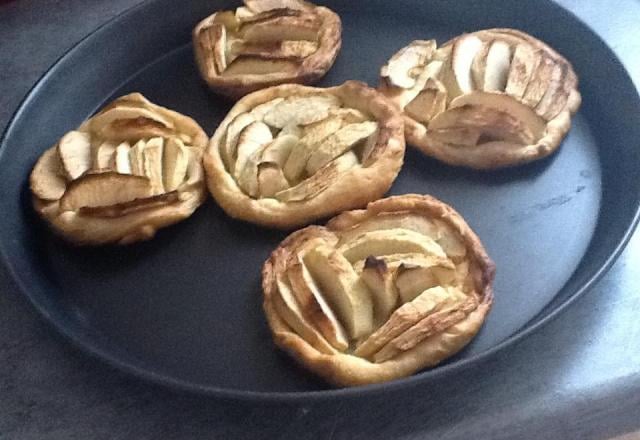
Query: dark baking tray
[184, 309]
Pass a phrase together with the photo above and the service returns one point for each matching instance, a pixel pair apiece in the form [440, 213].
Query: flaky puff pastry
[380, 293]
[266, 43]
[290, 154]
[131, 169]
[488, 99]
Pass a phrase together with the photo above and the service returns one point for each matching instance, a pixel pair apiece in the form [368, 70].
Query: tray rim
[88, 346]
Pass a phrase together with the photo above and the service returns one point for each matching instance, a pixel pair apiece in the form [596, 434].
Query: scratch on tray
[560, 200]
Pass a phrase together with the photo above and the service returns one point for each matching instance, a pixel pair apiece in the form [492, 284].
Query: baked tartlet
[290, 154]
[380, 293]
[266, 43]
[489, 99]
[129, 170]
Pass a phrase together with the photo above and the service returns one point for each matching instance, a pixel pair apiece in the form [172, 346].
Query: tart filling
[124, 173]
[290, 154]
[266, 43]
[488, 99]
[380, 293]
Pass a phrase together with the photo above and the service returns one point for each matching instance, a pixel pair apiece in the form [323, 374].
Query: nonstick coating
[185, 308]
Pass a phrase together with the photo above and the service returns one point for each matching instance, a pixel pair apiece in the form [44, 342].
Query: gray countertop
[577, 378]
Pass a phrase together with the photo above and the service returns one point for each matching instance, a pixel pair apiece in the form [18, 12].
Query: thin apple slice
[539, 82]
[104, 189]
[379, 279]
[524, 62]
[390, 241]
[301, 110]
[403, 318]
[493, 124]
[395, 220]
[312, 135]
[126, 208]
[414, 278]
[136, 158]
[304, 26]
[338, 143]
[431, 101]
[175, 162]
[74, 150]
[248, 177]
[497, 66]
[235, 127]
[399, 67]
[455, 309]
[258, 66]
[479, 66]
[463, 52]
[45, 180]
[252, 138]
[286, 50]
[505, 103]
[124, 113]
[279, 149]
[320, 181]
[257, 6]
[121, 163]
[260, 110]
[556, 96]
[152, 163]
[342, 288]
[103, 157]
[288, 309]
[271, 179]
[217, 35]
[314, 307]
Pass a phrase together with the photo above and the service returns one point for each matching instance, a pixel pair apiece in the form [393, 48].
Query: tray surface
[185, 307]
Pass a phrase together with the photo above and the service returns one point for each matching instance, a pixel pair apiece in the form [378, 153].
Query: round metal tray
[185, 308]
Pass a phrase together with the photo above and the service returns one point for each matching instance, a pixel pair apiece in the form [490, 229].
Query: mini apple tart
[380, 293]
[488, 99]
[290, 154]
[265, 43]
[129, 170]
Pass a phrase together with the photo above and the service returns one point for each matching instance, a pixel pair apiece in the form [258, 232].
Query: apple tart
[379, 293]
[129, 170]
[266, 43]
[290, 154]
[484, 100]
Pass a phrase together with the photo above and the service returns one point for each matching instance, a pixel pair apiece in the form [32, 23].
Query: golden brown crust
[556, 114]
[128, 220]
[352, 188]
[307, 71]
[444, 333]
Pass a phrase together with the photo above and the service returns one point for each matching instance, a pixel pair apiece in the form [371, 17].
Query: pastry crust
[109, 181]
[334, 187]
[214, 52]
[545, 95]
[421, 332]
